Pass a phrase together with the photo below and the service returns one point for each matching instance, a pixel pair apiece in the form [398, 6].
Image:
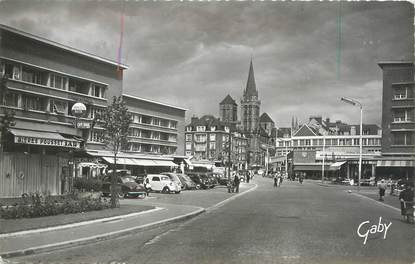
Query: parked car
[338, 180]
[187, 182]
[127, 187]
[162, 183]
[174, 177]
[368, 182]
[199, 179]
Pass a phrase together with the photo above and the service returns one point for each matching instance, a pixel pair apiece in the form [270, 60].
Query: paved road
[296, 223]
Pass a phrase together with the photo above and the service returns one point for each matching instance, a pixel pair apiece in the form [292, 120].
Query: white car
[162, 183]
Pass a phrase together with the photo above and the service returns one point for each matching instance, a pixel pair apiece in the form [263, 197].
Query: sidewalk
[161, 212]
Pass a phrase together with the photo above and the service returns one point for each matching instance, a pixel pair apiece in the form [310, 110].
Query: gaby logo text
[365, 229]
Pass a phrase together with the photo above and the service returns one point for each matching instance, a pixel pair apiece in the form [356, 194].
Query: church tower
[250, 104]
[228, 110]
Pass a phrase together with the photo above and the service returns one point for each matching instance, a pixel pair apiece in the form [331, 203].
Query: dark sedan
[126, 187]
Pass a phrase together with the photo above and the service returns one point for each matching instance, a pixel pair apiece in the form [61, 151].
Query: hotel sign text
[47, 142]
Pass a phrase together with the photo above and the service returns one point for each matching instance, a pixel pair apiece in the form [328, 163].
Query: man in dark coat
[407, 199]
[236, 182]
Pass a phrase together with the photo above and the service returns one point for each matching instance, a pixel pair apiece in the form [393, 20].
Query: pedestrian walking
[300, 179]
[247, 176]
[382, 188]
[281, 178]
[275, 180]
[236, 182]
[147, 186]
[406, 197]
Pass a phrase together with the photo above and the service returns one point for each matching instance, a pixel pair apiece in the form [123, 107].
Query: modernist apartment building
[41, 81]
[398, 119]
[155, 138]
[208, 138]
[157, 128]
[339, 141]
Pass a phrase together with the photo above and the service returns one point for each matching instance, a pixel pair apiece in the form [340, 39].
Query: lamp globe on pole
[78, 109]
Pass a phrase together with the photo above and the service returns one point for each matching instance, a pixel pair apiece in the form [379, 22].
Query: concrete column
[348, 170]
[373, 170]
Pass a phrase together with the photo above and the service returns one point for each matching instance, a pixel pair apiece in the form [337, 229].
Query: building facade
[335, 142]
[41, 81]
[209, 138]
[157, 128]
[398, 119]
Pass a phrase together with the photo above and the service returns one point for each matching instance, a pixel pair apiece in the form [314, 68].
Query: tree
[116, 121]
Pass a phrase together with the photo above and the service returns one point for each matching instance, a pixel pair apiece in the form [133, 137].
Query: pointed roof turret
[228, 100]
[265, 118]
[250, 89]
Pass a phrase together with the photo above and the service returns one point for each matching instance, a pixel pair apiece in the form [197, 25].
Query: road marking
[379, 203]
[213, 207]
[101, 220]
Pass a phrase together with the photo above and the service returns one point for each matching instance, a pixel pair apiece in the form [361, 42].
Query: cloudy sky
[192, 54]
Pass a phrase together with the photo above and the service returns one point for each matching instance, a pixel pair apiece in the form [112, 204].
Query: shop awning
[43, 138]
[337, 165]
[141, 162]
[165, 163]
[395, 163]
[121, 161]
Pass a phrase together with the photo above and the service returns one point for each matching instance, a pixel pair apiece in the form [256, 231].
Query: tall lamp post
[78, 110]
[357, 103]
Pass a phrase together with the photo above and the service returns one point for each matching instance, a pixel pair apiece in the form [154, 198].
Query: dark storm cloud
[193, 54]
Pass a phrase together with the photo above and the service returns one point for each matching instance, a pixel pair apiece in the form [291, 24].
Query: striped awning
[395, 163]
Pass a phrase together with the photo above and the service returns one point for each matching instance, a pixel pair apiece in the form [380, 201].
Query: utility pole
[229, 153]
[324, 155]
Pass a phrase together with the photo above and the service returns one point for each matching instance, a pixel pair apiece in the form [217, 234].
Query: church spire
[250, 89]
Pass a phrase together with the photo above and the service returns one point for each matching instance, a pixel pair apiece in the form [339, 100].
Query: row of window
[336, 142]
[45, 104]
[403, 93]
[203, 128]
[403, 115]
[155, 121]
[33, 75]
[403, 138]
[202, 138]
[148, 134]
[151, 148]
[212, 146]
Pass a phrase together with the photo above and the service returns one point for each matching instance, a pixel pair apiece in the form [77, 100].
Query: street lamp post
[357, 103]
[77, 110]
[324, 158]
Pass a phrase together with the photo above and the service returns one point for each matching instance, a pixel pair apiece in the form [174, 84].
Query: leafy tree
[116, 121]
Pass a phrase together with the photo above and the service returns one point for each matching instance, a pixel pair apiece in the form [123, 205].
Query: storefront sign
[84, 124]
[91, 160]
[46, 142]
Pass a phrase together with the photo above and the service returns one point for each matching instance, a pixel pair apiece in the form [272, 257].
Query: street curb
[373, 200]
[82, 241]
[59, 227]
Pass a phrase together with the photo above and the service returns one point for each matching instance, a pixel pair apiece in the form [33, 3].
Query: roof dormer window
[200, 128]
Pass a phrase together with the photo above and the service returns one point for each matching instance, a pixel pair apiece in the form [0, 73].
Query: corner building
[41, 81]
[398, 120]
